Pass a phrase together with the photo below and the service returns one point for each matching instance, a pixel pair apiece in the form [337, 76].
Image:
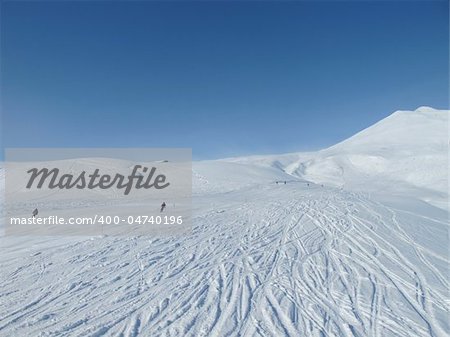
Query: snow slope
[404, 154]
[263, 259]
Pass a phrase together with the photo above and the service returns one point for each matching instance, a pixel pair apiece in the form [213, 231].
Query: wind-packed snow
[354, 244]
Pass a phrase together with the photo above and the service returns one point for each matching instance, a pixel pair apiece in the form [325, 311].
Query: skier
[163, 205]
[35, 212]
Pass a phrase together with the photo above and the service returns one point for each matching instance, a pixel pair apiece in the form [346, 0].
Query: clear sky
[225, 78]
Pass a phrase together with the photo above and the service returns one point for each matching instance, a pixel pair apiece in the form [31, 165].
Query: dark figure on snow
[285, 183]
[35, 212]
[163, 205]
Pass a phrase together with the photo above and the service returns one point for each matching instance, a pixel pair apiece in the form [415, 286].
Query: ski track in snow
[276, 261]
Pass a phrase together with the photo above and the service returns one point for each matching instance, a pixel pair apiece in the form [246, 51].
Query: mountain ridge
[408, 149]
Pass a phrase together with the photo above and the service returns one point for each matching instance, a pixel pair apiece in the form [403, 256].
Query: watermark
[95, 180]
[139, 191]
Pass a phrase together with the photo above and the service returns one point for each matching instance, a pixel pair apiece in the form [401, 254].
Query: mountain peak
[425, 108]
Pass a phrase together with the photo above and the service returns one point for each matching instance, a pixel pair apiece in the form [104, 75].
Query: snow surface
[354, 244]
[403, 154]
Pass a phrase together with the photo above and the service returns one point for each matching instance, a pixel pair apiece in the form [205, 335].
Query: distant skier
[285, 182]
[163, 205]
[35, 212]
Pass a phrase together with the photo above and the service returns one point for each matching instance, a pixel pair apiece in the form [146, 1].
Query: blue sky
[225, 78]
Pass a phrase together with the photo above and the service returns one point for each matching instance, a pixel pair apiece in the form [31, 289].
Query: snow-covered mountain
[347, 247]
[404, 154]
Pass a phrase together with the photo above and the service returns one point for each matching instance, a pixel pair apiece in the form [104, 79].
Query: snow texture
[354, 244]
